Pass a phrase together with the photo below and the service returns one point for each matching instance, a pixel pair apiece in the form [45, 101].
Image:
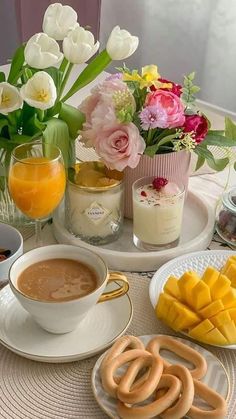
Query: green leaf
[3, 123]
[234, 165]
[20, 139]
[73, 118]
[16, 65]
[230, 129]
[152, 149]
[215, 164]
[56, 75]
[57, 133]
[93, 69]
[200, 162]
[219, 140]
[191, 76]
[2, 76]
[215, 132]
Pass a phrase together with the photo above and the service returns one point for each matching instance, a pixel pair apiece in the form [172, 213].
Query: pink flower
[119, 146]
[171, 104]
[198, 124]
[153, 117]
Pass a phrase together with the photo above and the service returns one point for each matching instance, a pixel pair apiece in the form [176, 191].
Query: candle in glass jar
[94, 203]
[157, 214]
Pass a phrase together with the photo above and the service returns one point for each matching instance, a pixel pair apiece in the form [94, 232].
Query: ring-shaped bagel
[214, 399]
[182, 350]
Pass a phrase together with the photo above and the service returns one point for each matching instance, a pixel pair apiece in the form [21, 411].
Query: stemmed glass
[37, 181]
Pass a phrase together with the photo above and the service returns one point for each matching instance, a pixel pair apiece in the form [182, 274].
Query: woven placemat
[32, 390]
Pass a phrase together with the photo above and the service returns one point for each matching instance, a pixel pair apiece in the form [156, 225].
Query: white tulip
[41, 51]
[59, 20]
[79, 46]
[10, 98]
[39, 91]
[121, 44]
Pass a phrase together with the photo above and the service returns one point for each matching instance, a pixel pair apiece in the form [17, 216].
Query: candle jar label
[96, 213]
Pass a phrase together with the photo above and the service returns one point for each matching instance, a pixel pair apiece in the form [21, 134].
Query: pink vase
[173, 166]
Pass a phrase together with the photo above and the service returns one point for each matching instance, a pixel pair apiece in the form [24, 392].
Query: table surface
[35, 390]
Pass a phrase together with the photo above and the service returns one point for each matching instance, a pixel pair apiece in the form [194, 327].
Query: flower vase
[172, 166]
[9, 214]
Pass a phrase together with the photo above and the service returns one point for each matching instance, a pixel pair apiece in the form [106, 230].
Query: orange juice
[37, 185]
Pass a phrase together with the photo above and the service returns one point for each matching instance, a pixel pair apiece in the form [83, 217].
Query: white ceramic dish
[101, 327]
[197, 261]
[197, 231]
[10, 238]
[216, 377]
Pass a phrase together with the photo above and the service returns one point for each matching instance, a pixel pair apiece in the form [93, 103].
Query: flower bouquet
[146, 122]
[33, 94]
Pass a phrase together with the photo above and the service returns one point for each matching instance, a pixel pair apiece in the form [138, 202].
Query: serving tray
[196, 234]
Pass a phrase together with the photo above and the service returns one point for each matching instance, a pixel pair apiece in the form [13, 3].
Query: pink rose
[119, 146]
[198, 124]
[171, 104]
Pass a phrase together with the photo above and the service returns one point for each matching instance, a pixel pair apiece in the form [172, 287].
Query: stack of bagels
[150, 386]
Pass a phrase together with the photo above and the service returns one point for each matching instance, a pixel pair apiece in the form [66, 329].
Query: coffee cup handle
[122, 290]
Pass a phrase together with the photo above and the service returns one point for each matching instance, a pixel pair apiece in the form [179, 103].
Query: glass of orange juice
[37, 181]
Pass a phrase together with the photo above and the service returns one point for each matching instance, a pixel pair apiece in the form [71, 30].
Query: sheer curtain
[182, 36]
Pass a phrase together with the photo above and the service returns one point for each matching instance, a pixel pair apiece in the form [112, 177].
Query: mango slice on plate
[214, 337]
[220, 287]
[204, 327]
[229, 331]
[185, 316]
[163, 305]
[210, 276]
[221, 318]
[186, 283]
[212, 309]
[230, 272]
[232, 313]
[172, 288]
[201, 295]
[230, 261]
[229, 299]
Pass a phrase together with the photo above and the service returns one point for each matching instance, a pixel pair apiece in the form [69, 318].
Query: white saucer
[198, 262]
[102, 326]
[216, 377]
[123, 255]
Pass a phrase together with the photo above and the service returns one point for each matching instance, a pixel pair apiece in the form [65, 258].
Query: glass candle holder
[157, 214]
[226, 217]
[94, 203]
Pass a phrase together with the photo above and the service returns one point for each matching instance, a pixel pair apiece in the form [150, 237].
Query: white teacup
[64, 316]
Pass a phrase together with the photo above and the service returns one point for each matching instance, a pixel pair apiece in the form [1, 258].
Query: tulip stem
[65, 79]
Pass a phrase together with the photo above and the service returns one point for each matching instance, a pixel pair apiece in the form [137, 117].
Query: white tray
[197, 231]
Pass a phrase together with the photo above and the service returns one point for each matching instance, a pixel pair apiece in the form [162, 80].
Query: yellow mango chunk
[220, 287]
[186, 317]
[163, 305]
[171, 316]
[232, 313]
[221, 318]
[229, 299]
[229, 331]
[172, 288]
[200, 295]
[230, 261]
[231, 274]
[214, 337]
[186, 283]
[201, 329]
[211, 309]
[210, 276]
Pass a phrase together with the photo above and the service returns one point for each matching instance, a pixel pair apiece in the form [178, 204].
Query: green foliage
[2, 76]
[16, 65]
[93, 69]
[189, 90]
[57, 133]
[205, 154]
[73, 117]
[230, 129]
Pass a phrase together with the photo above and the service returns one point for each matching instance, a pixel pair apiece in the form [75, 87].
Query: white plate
[101, 327]
[123, 255]
[216, 377]
[197, 261]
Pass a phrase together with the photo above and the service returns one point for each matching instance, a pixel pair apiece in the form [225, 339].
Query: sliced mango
[200, 295]
[214, 337]
[172, 288]
[232, 313]
[230, 272]
[210, 276]
[186, 317]
[230, 261]
[163, 305]
[220, 287]
[202, 328]
[229, 299]
[221, 318]
[229, 331]
[212, 309]
[186, 283]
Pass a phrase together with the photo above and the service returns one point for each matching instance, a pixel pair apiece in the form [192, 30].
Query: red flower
[159, 182]
[198, 124]
[176, 88]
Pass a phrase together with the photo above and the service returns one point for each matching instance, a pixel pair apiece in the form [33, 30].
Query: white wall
[181, 36]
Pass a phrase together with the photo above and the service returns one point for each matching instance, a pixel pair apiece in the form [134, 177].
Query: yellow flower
[148, 78]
